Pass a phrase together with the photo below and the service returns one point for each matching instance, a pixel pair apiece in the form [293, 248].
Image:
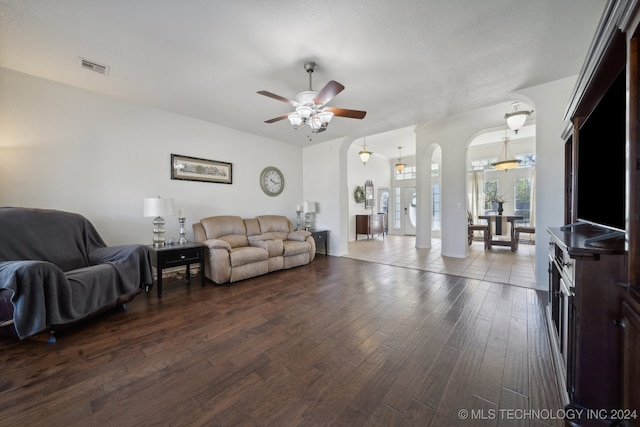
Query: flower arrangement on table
[496, 198]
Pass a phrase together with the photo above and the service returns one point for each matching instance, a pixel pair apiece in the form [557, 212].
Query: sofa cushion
[247, 255]
[274, 224]
[223, 225]
[253, 226]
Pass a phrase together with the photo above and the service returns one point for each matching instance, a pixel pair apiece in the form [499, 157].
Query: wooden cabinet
[370, 225]
[594, 287]
[630, 324]
[587, 284]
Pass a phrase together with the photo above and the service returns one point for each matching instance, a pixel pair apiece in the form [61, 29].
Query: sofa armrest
[260, 238]
[299, 235]
[261, 241]
[274, 246]
[217, 244]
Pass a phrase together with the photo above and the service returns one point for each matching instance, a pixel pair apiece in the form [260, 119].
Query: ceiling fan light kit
[310, 106]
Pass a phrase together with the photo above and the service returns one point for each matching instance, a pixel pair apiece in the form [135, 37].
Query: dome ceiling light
[516, 118]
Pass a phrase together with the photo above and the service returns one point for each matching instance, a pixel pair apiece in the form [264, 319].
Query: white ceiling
[405, 62]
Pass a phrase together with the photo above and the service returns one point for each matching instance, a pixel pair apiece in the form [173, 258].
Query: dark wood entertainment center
[594, 282]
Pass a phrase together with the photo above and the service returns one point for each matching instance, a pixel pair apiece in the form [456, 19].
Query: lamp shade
[156, 206]
[310, 206]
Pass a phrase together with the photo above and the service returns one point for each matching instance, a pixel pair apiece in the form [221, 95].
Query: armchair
[56, 270]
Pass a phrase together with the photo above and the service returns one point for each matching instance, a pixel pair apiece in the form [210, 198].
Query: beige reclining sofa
[237, 248]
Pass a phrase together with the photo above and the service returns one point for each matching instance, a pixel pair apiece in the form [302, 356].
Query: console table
[370, 225]
[175, 256]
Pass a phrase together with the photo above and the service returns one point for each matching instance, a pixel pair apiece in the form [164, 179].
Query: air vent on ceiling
[94, 66]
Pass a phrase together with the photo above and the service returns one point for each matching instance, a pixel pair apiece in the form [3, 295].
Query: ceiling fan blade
[327, 93]
[277, 97]
[343, 112]
[277, 119]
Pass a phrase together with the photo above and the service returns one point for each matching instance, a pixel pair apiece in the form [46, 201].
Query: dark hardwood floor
[337, 342]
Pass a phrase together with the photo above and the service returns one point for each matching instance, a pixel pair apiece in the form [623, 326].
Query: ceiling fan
[310, 106]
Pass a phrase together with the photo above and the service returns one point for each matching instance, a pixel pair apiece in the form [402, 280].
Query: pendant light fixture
[516, 118]
[506, 161]
[400, 166]
[364, 153]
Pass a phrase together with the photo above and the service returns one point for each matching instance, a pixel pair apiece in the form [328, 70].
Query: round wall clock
[272, 181]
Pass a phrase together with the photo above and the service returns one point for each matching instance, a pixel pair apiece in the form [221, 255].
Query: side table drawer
[180, 257]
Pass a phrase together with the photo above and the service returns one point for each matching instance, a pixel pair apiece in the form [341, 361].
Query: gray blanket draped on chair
[60, 270]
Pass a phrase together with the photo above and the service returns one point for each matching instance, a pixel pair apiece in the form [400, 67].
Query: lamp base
[158, 232]
[307, 221]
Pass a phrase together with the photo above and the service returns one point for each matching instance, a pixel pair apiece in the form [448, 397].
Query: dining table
[496, 220]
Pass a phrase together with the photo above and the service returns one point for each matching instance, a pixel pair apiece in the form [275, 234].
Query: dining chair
[471, 228]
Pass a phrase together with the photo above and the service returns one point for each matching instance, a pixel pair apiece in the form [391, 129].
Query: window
[490, 187]
[397, 208]
[383, 195]
[409, 172]
[435, 169]
[522, 190]
[481, 164]
[435, 214]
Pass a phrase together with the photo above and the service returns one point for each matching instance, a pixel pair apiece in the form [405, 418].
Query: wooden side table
[321, 236]
[175, 256]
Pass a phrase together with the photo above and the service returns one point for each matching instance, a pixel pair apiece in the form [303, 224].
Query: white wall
[551, 100]
[324, 176]
[70, 149]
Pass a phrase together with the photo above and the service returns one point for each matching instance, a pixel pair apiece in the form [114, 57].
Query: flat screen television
[601, 161]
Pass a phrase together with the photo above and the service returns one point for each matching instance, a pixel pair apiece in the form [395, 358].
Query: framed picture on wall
[196, 169]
